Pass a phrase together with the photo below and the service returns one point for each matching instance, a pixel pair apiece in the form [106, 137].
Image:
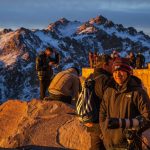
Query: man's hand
[89, 124]
[51, 63]
[142, 121]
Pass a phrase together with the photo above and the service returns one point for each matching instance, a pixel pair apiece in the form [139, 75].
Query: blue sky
[39, 13]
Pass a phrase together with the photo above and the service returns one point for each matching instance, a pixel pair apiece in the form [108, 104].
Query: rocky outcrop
[87, 28]
[4, 31]
[43, 125]
[54, 26]
[98, 20]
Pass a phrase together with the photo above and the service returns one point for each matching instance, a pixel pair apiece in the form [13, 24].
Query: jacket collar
[123, 87]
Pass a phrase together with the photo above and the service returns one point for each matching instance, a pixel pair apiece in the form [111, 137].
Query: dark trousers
[63, 98]
[44, 84]
[96, 141]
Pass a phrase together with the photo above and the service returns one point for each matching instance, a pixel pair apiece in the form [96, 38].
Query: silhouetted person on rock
[91, 59]
[44, 63]
[65, 86]
[115, 55]
[95, 59]
[140, 61]
[132, 59]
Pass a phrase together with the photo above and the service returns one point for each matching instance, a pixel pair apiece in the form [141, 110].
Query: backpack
[86, 106]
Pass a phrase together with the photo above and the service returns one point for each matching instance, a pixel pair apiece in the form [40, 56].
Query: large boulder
[43, 125]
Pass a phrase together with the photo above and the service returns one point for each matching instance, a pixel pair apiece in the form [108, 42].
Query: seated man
[65, 86]
[125, 104]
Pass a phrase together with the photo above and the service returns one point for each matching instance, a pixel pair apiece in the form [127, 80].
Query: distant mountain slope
[73, 40]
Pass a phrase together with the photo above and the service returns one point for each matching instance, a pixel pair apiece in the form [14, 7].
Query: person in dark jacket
[140, 61]
[132, 59]
[123, 102]
[44, 63]
[102, 74]
[115, 54]
[91, 59]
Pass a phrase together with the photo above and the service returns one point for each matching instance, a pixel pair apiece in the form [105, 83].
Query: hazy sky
[39, 13]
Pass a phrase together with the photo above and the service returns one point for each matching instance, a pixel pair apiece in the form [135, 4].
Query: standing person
[132, 59]
[95, 58]
[104, 69]
[123, 101]
[65, 86]
[91, 60]
[44, 63]
[115, 55]
[140, 61]
[101, 76]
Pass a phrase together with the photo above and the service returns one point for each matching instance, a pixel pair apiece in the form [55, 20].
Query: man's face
[120, 76]
[48, 53]
[131, 54]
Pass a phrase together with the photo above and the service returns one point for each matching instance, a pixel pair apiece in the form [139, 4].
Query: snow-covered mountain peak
[72, 39]
[4, 31]
[98, 20]
[57, 24]
[87, 28]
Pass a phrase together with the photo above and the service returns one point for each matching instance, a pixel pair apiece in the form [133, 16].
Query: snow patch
[28, 67]
[5, 38]
[47, 39]
[70, 29]
[9, 59]
[124, 35]
[87, 30]
[67, 66]
[29, 92]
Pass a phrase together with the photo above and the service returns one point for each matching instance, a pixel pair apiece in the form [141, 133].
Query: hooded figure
[140, 61]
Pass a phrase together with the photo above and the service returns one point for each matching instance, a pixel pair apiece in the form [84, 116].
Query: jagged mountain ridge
[73, 40]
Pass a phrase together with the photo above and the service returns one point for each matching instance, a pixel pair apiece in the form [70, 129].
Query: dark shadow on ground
[33, 147]
[73, 114]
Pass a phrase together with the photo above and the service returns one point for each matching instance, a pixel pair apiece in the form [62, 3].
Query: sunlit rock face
[38, 125]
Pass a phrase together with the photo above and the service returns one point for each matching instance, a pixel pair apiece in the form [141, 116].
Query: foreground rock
[41, 125]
